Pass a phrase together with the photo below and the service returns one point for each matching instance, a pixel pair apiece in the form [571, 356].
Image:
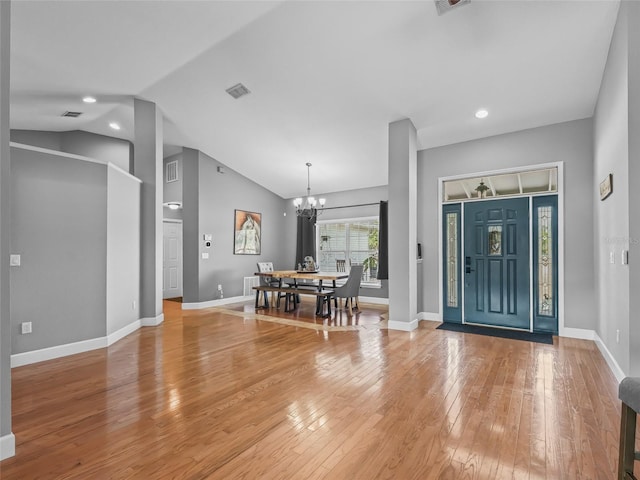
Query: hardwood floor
[226, 394]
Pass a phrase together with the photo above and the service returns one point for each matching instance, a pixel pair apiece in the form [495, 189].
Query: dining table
[315, 276]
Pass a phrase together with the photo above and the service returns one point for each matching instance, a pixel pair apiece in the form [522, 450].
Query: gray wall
[611, 217]
[338, 199]
[5, 223]
[218, 195]
[100, 147]
[59, 224]
[569, 142]
[633, 12]
[77, 142]
[617, 226]
[191, 237]
[37, 138]
[123, 250]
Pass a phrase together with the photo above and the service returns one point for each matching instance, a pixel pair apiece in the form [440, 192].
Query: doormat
[498, 332]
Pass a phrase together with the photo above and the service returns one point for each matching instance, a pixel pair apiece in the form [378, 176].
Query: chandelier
[308, 209]
[482, 189]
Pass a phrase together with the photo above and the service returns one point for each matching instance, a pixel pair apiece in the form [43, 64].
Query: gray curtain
[306, 239]
[383, 243]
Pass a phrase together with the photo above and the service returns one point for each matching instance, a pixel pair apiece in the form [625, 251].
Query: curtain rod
[350, 206]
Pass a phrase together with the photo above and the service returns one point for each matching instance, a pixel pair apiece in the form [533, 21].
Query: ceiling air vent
[72, 114]
[237, 91]
[444, 6]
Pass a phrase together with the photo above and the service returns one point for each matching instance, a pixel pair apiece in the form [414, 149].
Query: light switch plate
[624, 258]
[205, 256]
[612, 257]
[208, 236]
[14, 260]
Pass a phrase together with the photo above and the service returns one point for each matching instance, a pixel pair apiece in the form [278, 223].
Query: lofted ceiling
[326, 77]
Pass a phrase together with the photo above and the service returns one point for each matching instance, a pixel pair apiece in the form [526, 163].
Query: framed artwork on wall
[606, 187]
[247, 231]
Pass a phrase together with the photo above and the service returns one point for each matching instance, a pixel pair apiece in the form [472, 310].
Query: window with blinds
[354, 241]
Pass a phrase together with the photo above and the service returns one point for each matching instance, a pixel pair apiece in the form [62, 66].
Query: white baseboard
[216, 303]
[26, 358]
[374, 300]
[580, 333]
[403, 326]
[123, 332]
[585, 334]
[611, 361]
[7, 446]
[152, 321]
[430, 316]
[58, 351]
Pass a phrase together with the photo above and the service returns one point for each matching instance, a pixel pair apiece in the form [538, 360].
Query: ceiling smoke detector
[443, 6]
[72, 114]
[238, 91]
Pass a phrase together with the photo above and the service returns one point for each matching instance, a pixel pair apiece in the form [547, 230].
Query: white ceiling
[326, 77]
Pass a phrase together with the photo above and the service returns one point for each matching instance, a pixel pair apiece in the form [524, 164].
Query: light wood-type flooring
[227, 394]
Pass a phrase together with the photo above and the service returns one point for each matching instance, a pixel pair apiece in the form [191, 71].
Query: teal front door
[496, 263]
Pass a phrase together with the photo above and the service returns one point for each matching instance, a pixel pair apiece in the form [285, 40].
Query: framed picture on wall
[247, 231]
[606, 187]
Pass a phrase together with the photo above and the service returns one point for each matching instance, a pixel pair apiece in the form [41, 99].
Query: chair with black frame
[271, 282]
[351, 288]
[341, 265]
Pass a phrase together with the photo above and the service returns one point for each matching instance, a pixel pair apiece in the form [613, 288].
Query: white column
[147, 166]
[403, 155]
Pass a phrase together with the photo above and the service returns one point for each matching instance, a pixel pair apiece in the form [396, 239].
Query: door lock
[467, 265]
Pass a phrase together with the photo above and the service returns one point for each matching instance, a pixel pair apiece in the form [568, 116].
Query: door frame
[560, 195]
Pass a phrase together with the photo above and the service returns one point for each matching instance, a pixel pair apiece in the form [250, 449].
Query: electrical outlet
[612, 257]
[219, 286]
[617, 336]
[26, 327]
[133, 305]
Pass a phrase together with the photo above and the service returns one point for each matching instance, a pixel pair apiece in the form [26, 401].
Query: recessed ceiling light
[114, 125]
[89, 100]
[482, 113]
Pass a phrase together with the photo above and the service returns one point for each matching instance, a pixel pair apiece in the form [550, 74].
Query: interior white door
[172, 260]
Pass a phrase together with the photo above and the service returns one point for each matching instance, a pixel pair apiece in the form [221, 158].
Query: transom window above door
[500, 185]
